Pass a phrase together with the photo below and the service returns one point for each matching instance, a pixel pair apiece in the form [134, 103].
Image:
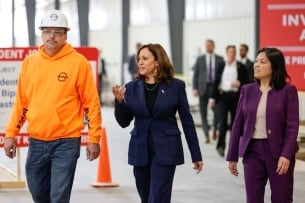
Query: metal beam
[125, 37]
[176, 17]
[57, 4]
[13, 23]
[30, 6]
[83, 21]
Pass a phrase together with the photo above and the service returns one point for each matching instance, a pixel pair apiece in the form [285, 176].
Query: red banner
[19, 53]
[282, 25]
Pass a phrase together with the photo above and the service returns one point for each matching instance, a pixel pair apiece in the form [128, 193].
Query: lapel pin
[162, 91]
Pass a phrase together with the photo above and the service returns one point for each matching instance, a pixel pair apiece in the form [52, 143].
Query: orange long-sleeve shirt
[53, 94]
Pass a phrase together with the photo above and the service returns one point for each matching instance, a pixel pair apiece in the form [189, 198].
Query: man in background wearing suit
[132, 62]
[102, 75]
[243, 53]
[229, 78]
[203, 79]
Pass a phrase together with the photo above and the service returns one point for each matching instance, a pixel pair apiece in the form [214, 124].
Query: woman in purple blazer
[152, 101]
[265, 130]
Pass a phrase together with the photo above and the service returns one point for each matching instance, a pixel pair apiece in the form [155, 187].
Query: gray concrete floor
[214, 185]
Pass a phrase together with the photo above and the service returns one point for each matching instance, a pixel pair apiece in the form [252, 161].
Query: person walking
[155, 147]
[132, 63]
[230, 77]
[56, 89]
[203, 79]
[265, 130]
[243, 53]
[102, 78]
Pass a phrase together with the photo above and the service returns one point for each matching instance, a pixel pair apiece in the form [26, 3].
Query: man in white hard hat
[55, 91]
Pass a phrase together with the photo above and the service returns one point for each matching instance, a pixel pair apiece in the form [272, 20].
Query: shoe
[221, 152]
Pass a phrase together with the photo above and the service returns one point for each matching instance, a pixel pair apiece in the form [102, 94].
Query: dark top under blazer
[201, 71]
[282, 121]
[242, 77]
[162, 124]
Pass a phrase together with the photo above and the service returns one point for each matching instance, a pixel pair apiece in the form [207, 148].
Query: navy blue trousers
[154, 182]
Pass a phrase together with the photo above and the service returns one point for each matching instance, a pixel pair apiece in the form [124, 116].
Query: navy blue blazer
[282, 121]
[161, 125]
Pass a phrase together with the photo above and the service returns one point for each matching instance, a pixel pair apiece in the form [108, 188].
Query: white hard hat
[54, 18]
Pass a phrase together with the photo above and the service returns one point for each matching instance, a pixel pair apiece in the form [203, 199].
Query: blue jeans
[50, 169]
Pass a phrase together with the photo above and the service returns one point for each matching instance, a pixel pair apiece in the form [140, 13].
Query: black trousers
[225, 107]
[203, 107]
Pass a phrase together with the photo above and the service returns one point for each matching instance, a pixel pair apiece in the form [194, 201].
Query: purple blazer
[282, 121]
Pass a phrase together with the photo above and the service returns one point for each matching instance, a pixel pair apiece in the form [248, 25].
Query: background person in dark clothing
[102, 75]
[203, 80]
[228, 81]
[243, 53]
[132, 63]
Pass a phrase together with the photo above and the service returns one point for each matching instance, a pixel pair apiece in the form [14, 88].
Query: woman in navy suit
[265, 130]
[155, 146]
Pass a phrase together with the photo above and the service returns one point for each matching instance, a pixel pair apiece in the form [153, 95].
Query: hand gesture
[119, 92]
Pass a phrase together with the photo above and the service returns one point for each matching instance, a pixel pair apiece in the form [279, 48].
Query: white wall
[149, 34]
[109, 42]
[222, 31]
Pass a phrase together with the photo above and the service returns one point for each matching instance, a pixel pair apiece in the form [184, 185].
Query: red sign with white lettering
[282, 25]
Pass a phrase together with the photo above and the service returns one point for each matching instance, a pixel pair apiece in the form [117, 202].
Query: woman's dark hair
[279, 75]
[165, 69]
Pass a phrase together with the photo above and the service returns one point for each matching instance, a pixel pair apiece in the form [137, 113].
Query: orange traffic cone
[103, 169]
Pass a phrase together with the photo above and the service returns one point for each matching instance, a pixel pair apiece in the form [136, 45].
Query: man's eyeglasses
[55, 33]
